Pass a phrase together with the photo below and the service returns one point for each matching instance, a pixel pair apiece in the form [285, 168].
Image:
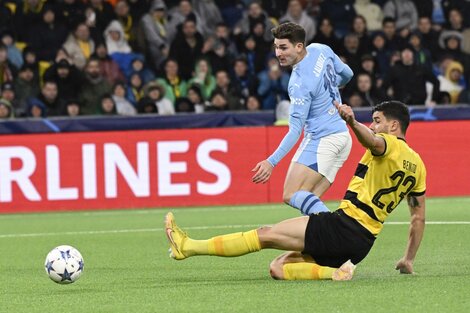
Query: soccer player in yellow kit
[329, 244]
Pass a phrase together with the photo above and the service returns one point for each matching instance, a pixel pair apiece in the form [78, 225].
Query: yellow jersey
[381, 182]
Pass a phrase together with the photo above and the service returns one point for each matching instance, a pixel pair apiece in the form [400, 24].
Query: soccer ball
[64, 264]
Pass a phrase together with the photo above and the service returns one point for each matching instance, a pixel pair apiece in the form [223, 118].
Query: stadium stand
[138, 43]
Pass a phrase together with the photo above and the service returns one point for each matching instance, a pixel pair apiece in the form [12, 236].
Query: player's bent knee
[286, 196]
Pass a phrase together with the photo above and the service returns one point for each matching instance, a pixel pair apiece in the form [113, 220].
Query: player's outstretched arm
[417, 210]
[296, 122]
[366, 137]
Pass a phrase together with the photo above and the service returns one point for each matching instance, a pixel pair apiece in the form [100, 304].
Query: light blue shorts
[324, 155]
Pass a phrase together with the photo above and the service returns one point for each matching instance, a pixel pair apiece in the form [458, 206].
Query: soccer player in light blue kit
[313, 87]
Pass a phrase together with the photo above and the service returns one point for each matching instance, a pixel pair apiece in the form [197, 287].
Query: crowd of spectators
[127, 57]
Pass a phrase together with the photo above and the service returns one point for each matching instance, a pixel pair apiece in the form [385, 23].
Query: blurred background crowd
[128, 57]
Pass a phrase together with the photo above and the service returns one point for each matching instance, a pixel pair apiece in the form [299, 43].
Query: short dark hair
[49, 81]
[92, 59]
[395, 110]
[387, 20]
[291, 31]
[363, 74]
[72, 101]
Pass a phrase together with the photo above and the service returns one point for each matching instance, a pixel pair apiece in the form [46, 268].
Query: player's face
[287, 53]
[380, 124]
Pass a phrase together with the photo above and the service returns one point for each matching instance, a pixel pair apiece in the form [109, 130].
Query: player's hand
[345, 112]
[405, 266]
[263, 171]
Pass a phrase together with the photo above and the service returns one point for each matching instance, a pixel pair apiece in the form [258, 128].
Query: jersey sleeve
[343, 71]
[420, 187]
[391, 144]
[300, 100]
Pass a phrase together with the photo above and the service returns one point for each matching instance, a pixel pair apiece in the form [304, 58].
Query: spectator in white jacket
[451, 81]
[123, 106]
[296, 14]
[154, 26]
[156, 93]
[372, 12]
[404, 12]
[115, 38]
[79, 45]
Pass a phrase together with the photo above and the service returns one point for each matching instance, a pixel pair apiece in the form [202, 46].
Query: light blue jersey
[313, 86]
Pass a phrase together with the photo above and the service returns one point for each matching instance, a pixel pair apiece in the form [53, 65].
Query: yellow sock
[306, 271]
[227, 245]
[195, 247]
[235, 244]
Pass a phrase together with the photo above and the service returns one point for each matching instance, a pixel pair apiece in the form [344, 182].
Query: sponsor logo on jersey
[297, 101]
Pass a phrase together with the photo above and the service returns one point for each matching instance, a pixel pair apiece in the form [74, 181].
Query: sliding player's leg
[286, 235]
[294, 265]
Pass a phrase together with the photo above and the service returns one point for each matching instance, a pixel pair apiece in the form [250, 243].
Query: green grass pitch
[127, 268]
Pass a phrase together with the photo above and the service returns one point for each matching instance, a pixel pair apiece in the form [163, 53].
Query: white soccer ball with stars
[64, 264]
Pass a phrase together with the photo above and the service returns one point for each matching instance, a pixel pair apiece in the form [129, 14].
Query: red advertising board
[442, 145]
[130, 169]
[136, 169]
